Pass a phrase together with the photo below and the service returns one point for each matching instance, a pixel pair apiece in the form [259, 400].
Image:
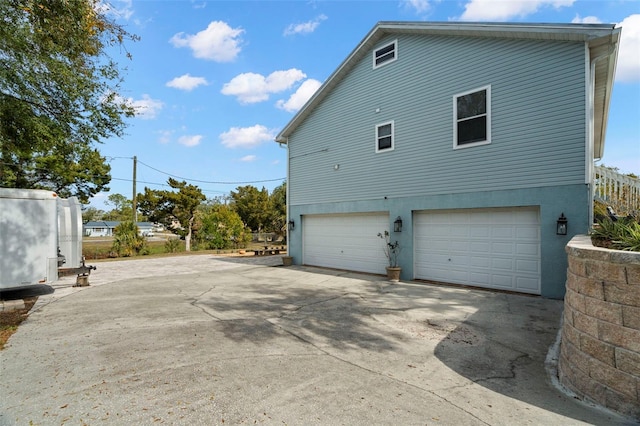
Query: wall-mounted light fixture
[292, 225]
[397, 225]
[561, 225]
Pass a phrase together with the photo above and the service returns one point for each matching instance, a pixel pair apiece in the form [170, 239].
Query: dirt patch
[9, 321]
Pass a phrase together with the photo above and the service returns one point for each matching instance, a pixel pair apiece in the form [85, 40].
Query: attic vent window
[386, 54]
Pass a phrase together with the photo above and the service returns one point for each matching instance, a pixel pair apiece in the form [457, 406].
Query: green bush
[127, 241]
[173, 245]
[623, 234]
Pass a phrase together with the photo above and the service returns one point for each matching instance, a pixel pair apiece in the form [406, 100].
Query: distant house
[99, 228]
[105, 228]
[478, 138]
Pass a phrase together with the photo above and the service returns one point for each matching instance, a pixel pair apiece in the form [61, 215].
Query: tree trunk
[187, 238]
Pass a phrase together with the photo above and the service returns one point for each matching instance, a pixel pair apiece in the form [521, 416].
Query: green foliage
[90, 214]
[127, 241]
[261, 211]
[599, 211]
[166, 206]
[219, 227]
[173, 245]
[58, 95]
[122, 208]
[278, 204]
[252, 205]
[623, 234]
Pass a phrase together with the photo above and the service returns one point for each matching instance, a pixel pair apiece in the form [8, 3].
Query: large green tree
[217, 226]
[252, 205]
[166, 206]
[122, 208]
[58, 94]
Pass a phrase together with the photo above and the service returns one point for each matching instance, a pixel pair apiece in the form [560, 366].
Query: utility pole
[134, 202]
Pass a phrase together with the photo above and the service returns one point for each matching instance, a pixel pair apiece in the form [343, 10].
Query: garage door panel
[527, 232]
[502, 264]
[473, 232]
[481, 262]
[458, 246]
[496, 248]
[477, 246]
[527, 249]
[527, 284]
[527, 266]
[480, 278]
[500, 232]
[345, 241]
[502, 281]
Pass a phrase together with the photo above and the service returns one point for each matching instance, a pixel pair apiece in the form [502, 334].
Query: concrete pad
[213, 340]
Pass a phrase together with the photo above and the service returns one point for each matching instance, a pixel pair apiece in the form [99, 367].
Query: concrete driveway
[214, 340]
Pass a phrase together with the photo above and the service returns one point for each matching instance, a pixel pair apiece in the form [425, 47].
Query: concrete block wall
[600, 346]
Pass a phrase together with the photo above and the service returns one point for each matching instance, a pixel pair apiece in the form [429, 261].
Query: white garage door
[345, 241]
[494, 248]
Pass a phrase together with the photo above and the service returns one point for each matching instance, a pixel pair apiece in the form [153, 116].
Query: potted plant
[391, 250]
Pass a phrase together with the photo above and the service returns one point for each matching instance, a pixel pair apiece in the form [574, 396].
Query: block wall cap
[581, 246]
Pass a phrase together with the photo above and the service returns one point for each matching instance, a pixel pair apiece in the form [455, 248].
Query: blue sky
[214, 81]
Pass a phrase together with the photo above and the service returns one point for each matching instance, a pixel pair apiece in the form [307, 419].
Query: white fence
[621, 192]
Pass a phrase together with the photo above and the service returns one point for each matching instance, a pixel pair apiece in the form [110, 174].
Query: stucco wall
[600, 349]
[552, 201]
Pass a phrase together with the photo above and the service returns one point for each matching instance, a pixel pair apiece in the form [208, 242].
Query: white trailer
[39, 234]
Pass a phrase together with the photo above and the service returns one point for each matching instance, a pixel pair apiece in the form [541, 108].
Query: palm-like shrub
[623, 234]
[127, 241]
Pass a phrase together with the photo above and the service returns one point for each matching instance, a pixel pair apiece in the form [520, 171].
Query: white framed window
[472, 118]
[385, 54]
[384, 137]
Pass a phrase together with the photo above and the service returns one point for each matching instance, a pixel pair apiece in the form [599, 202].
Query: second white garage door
[345, 241]
[493, 248]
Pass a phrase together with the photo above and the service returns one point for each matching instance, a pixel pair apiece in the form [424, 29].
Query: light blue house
[105, 228]
[478, 137]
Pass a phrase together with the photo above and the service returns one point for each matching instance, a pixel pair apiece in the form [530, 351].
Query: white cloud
[300, 97]
[250, 87]
[248, 158]
[190, 141]
[305, 27]
[218, 42]
[503, 10]
[586, 20]
[628, 69]
[122, 9]
[146, 108]
[247, 137]
[187, 82]
[420, 6]
[164, 136]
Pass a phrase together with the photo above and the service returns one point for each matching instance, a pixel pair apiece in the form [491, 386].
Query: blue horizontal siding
[538, 122]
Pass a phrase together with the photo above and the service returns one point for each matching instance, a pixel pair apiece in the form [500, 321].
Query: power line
[211, 182]
[170, 175]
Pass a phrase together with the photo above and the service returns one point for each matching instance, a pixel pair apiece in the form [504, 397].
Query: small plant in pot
[391, 250]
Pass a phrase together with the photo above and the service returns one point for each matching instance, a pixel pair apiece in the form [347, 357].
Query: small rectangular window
[384, 137]
[472, 118]
[385, 54]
